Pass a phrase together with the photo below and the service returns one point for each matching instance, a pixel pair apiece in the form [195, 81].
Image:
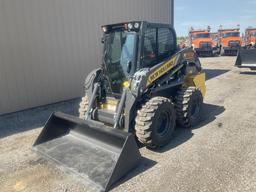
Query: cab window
[159, 44]
[166, 43]
[149, 55]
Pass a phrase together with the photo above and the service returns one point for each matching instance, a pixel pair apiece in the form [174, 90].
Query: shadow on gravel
[145, 164]
[248, 73]
[212, 73]
[209, 114]
[181, 135]
[22, 121]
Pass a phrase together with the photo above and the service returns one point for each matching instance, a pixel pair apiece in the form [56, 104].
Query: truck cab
[230, 41]
[202, 43]
[250, 38]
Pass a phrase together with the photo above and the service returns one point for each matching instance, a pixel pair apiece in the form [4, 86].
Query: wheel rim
[164, 124]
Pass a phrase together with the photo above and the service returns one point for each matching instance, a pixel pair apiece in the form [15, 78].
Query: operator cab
[131, 46]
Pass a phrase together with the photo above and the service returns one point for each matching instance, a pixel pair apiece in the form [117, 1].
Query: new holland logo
[161, 71]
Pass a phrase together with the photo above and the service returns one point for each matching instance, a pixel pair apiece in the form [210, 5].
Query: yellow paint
[126, 84]
[110, 105]
[161, 70]
[112, 101]
[197, 81]
[20, 186]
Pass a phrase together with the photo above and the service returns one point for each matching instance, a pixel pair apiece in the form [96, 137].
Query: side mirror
[129, 66]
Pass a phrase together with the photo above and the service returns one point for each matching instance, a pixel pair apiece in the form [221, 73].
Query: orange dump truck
[202, 42]
[250, 38]
[229, 41]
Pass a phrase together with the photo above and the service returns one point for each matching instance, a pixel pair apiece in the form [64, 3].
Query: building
[47, 47]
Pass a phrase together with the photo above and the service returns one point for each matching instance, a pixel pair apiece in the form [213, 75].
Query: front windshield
[201, 35]
[231, 34]
[119, 52]
[253, 34]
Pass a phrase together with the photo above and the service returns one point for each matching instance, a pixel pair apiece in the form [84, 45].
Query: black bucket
[246, 58]
[89, 149]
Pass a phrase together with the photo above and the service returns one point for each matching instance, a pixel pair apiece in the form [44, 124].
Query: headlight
[126, 84]
[252, 43]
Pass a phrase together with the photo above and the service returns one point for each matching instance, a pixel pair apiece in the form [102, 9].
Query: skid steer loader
[143, 88]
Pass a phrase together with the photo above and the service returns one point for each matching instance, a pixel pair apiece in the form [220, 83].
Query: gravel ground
[217, 155]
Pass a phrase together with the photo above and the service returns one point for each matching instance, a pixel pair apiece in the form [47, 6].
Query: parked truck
[229, 41]
[250, 38]
[202, 43]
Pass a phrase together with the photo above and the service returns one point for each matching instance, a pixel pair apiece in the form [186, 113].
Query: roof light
[130, 26]
[105, 29]
[136, 25]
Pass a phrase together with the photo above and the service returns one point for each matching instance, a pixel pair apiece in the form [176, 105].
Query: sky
[203, 13]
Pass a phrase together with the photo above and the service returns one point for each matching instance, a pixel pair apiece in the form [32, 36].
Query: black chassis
[204, 51]
[231, 51]
[139, 92]
[208, 51]
[133, 97]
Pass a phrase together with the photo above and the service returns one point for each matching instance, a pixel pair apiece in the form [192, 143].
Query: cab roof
[199, 32]
[251, 29]
[135, 26]
[140, 22]
[229, 30]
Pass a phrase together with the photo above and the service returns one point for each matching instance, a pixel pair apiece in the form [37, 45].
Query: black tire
[83, 106]
[155, 122]
[188, 107]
